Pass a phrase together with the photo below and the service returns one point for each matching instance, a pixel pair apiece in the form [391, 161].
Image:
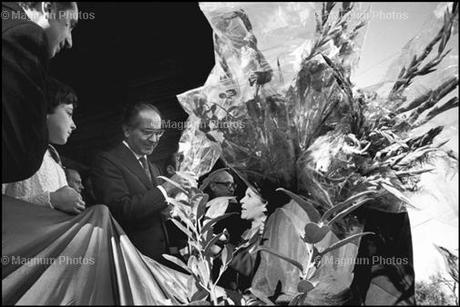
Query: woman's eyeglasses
[227, 184]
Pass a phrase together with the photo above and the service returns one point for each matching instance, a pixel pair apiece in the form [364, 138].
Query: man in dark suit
[125, 181]
[32, 33]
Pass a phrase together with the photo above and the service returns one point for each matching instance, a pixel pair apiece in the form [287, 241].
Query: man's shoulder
[113, 154]
[14, 19]
[18, 30]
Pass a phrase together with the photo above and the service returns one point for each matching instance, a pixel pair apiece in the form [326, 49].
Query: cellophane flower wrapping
[270, 93]
[279, 105]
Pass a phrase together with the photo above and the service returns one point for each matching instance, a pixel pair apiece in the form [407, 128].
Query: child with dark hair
[48, 186]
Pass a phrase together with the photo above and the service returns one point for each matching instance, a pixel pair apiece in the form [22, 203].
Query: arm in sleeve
[244, 262]
[110, 188]
[27, 190]
[24, 102]
[42, 199]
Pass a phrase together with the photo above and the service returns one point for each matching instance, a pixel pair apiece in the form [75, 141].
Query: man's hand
[173, 190]
[68, 200]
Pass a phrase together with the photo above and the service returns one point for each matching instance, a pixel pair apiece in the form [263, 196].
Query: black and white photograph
[230, 153]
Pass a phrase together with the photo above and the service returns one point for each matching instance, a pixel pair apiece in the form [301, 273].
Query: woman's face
[60, 124]
[252, 206]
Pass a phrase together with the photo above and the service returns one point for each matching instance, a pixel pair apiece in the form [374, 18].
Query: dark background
[126, 52]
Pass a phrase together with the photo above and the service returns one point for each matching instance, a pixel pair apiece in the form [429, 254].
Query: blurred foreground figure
[32, 33]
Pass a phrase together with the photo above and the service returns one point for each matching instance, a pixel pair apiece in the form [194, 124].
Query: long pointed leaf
[202, 207]
[261, 296]
[349, 210]
[285, 258]
[313, 214]
[181, 227]
[187, 221]
[398, 195]
[175, 202]
[321, 189]
[217, 206]
[415, 172]
[343, 204]
[177, 261]
[211, 223]
[213, 241]
[343, 242]
[173, 183]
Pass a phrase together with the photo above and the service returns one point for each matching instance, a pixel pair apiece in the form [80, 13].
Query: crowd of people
[37, 113]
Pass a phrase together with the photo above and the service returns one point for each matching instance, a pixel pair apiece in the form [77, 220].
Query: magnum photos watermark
[360, 12]
[215, 124]
[374, 260]
[33, 261]
[21, 15]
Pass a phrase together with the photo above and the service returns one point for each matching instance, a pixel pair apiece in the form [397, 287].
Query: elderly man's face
[74, 180]
[145, 134]
[59, 32]
[223, 185]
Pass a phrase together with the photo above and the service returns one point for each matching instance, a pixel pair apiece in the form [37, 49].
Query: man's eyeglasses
[157, 132]
[227, 184]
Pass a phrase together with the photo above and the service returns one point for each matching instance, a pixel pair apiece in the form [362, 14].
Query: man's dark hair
[60, 6]
[131, 112]
[59, 93]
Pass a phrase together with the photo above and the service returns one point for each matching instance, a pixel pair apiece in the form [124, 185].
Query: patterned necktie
[145, 165]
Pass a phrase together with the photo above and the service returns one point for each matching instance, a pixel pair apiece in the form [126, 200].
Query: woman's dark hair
[59, 93]
[132, 110]
[266, 188]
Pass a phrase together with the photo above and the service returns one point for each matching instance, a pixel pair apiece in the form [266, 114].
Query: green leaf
[206, 237]
[177, 261]
[313, 214]
[204, 272]
[173, 183]
[199, 297]
[398, 195]
[343, 204]
[261, 296]
[200, 303]
[189, 176]
[182, 213]
[285, 258]
[179, 204]
[343, 242]
[212, 242]
[192, 263]
[182, 228]
[185, 219]
[201, 209]
[217, 206]
[227, 254]
[192, 286]
[349, 210]
[224, 255]
[305, 286]
[314, 233]
[211, 222]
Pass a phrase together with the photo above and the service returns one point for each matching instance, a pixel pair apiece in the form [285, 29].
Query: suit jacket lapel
[130, 161]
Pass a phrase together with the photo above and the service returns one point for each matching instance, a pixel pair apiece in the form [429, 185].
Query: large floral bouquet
[313, 132]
